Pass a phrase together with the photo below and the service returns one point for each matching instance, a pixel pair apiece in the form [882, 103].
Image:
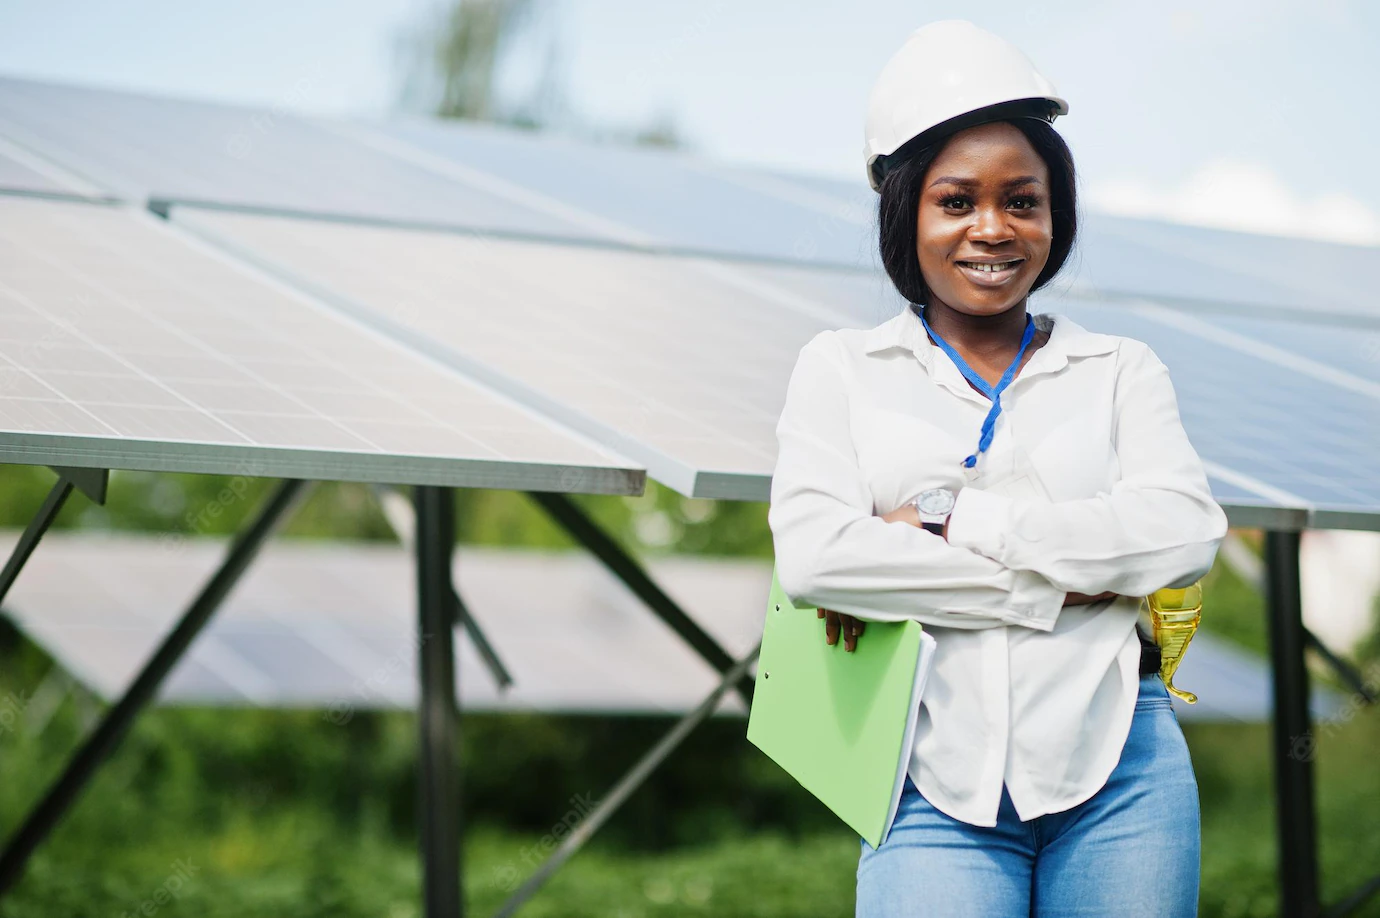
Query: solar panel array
[603, 333]
[125, 344]
[660, 200]
[655, 302]
[141, 148]
[332, 626]
[669, 361]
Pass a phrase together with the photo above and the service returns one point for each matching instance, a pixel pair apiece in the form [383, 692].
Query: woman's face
[984, 204]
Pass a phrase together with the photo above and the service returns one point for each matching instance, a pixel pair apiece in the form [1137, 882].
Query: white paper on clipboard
[922, 674]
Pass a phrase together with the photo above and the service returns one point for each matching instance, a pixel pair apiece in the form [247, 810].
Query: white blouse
[1090, 484]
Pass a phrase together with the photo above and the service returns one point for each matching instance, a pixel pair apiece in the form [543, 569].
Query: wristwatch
[934, 507]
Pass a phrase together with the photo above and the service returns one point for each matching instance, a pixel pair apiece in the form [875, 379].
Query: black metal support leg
[438, 710]
[106, 737]
[625, 568]
[1293, 737]
[402, 517]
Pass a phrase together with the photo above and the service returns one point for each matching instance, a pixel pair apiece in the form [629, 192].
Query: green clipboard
[842, 724]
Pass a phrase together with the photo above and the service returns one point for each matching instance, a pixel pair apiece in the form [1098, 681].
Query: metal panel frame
[315, 465]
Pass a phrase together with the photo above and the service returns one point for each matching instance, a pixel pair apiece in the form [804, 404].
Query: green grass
[262, 813]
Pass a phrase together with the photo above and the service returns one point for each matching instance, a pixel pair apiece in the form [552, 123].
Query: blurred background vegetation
[277, 812]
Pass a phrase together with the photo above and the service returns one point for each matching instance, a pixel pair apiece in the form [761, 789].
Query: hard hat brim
[1043, 108]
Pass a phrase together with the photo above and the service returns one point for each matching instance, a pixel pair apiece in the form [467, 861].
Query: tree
[454, 58]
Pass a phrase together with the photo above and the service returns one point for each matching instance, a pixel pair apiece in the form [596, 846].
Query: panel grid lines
[98, 348]
[135, 333]
[650, 330]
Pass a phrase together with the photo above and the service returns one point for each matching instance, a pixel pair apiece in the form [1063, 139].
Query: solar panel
[1308, 276]
[616, 344]
[660, 199]
[332, 626]
[126, 343]
[679, 364]
[142, 147]
[1294, 433]
[1347, 355]
[424, 172]
[16, 176]
[23, 172]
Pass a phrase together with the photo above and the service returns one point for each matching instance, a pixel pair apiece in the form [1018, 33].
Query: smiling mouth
[990, 273]
[992, 267]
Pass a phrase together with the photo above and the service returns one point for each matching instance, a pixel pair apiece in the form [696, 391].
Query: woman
[1016, 483]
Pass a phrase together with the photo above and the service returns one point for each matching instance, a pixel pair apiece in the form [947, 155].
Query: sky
[1248, 115]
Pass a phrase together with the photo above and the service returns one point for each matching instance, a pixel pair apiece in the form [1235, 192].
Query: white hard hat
[949, 75]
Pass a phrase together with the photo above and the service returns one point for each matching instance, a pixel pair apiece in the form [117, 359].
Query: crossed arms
[1005, 561]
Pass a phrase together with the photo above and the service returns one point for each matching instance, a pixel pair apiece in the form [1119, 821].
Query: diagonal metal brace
[90, 482]
[106, 737]
[625, 568]
[1345, 671]
[465, 619]
[1355, 900]
[626, 786]
[401, 517]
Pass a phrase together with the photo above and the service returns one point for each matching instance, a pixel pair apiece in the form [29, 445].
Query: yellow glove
[1174, 616]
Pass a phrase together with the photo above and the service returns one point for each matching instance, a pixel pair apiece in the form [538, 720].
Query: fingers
[852, 630]
[831, 626]
[836, 623]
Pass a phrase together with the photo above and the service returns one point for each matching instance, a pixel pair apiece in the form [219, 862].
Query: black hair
[899, 202]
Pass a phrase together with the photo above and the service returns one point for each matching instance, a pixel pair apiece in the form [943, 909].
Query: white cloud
[1241, 195]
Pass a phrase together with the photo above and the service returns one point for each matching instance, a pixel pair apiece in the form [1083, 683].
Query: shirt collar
[1066, 339]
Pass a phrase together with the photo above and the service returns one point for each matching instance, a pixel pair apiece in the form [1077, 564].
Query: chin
[987, 303]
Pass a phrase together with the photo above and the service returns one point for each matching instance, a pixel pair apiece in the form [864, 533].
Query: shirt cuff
[979, 522]
[1035, 602]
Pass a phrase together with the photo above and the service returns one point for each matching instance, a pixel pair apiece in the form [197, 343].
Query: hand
[834, 622]
[852, 628]
[908, 514]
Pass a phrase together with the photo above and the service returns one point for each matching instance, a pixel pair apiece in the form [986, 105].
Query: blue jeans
[1129, 851]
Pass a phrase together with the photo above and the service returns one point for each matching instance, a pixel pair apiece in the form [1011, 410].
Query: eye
[955, 202]
[1025, 201]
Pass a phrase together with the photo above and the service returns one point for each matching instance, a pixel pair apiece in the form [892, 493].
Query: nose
[990, 226]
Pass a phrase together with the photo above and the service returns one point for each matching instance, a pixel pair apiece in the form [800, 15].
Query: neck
[988, 334]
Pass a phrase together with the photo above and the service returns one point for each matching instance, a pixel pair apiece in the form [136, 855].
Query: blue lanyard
[989, 423]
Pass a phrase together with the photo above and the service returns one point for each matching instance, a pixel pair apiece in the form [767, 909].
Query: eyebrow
[969, 183]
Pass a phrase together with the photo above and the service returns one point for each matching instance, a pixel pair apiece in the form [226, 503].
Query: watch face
[937, 500]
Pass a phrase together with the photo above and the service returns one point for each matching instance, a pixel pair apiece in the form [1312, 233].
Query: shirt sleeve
[832, 552]
[1159, 526]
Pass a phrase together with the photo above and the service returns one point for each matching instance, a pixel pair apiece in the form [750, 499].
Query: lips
[990, 273]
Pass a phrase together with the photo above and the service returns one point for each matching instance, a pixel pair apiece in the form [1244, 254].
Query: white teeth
[989, 268]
